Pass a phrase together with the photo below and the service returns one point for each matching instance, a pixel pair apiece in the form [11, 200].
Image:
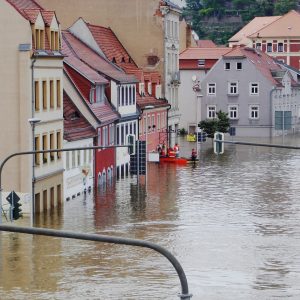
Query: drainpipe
[33, 144]
[271, 109]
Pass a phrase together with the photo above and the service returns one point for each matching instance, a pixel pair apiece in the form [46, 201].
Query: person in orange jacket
[176, 149]
[171, 152]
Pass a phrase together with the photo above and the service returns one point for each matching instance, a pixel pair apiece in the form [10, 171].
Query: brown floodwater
[232, 221]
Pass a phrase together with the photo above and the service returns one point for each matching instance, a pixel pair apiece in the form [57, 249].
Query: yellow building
[31, 89]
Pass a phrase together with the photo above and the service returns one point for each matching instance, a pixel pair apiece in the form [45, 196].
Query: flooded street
[232, 221]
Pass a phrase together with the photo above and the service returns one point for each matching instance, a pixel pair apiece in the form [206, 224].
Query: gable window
[254, 112]
[233, 111]
[211, 89]
[232, 88]
[211, 111]
[258, 46]
[227, 66]
[201, 62]
[58, 94]
[39, 39]
[239, 66]
[280, 47]
[269, 47]
[254, 90]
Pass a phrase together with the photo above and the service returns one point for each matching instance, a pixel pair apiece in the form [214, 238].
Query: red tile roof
[114, 50]
[110, 44]
[20, 5]
[80, 66]
[75, 128]
[31, 14]
[203, 53]
[95, 61]
[48, 16]
[206, 44]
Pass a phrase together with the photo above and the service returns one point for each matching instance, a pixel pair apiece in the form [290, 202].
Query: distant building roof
[206, 44]
[285, 26]
[256, 24]
[203, 53]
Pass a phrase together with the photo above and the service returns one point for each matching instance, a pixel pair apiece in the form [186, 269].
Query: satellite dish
[194, 78]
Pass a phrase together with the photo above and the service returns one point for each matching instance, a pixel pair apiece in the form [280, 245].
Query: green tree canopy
[221, 123]
[281, 7]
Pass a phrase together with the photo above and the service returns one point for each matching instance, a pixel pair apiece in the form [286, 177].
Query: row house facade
[33, 90]
[148, 88]
[278, 36]
[194, 64]
[261, 97]
[121, 94]
[89, 121]
[151, 31]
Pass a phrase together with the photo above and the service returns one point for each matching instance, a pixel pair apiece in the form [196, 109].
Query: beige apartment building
[31, 88]
[151, 30]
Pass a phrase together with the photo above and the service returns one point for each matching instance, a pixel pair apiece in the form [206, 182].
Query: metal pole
[185, 295]
[283, 108]
[33, 180]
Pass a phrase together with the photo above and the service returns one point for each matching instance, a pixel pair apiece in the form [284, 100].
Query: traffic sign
[12, 197]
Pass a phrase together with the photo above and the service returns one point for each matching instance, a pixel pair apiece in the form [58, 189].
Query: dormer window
[114, 60]
[39, 39]
[54, 40]
[97, 94]
[123, 59]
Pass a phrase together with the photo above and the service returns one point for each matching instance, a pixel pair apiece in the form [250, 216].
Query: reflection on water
[232, 221]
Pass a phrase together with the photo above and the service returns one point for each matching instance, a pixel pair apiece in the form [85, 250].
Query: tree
[281, 7]
[221, 124]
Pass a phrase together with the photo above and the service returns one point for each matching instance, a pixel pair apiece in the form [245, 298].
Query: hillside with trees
[218, 20]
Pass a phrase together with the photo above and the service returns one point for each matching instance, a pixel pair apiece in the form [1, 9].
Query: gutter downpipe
[271, 110]
[33, 144]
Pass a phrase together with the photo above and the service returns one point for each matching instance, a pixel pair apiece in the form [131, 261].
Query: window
[45, 146]
[280, 47]
[37, 96]
[52, 146]
[258, 46]
[37, 148]
[99, 138]
[201, 62]
[232, 88]
[254, 88]
[211, 89]
[239, 66]
[227, 66]
[51, 94]
[44, 95]
[158, 121]
[269, 47]
[58, 94]
[211, 111]
[233, 111]
[254, 112]
[58, 141]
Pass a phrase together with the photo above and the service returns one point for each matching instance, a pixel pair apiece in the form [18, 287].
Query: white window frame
[258, 46]
[252, 87]
[233, 111]
[281, 46]
[268, 44]
[225, 64]
[211, 111]
[211, 88]
[234, 85]
[253, 112]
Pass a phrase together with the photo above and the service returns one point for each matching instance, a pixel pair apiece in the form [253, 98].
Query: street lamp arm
[111, 240]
